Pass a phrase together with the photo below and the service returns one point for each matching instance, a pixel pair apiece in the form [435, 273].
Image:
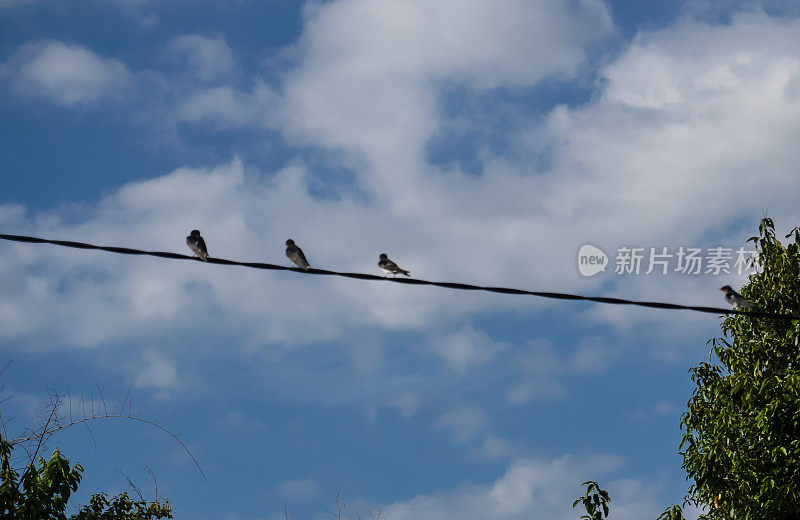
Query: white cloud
[619, 163]
[496, 448]
[665, 408]
[660, 409]
[368, 71]
[534, 488]
[689, 114]
[67, 74]
[592, 356]
[99, 297]
[30, 405]
[234, 419]
[465, 347]
[541, 367]
[299, 489]
[224, 106]
[407, 403]
[464, 423]
[649, 159]
[541, 388]
[156, 371]
[208, 58]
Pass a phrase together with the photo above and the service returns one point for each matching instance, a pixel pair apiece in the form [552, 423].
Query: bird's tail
[407, 273]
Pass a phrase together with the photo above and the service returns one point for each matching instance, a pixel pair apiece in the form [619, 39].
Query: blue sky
[483, 142]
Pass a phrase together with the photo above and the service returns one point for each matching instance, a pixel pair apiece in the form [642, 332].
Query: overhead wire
[407, 281]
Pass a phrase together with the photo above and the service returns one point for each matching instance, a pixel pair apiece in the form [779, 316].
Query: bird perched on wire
[197, 245]
[296, 255]
[735, 299]
[390, 267]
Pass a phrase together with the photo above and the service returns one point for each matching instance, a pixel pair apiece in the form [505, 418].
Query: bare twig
[9, 361]
[49, 431]
[340, 508]
[4, 420]
[84, 416]
[40, 441]
[341, 511]
[91, 434]
[125, 401]
[155, 481]
[133, 486]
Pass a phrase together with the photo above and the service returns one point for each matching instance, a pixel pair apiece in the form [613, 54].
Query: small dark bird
[390, 267]
[296, 255]
[197, 245]
[735, 299]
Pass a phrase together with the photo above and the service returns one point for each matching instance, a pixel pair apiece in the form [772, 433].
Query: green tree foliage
[673, 512]
[595, 501]
[741, 440]
[43, 490]
[122, 507]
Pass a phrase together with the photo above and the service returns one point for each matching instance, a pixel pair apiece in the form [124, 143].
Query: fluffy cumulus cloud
[102, 298]
[533, 488]
[693, 128]
[123, 298]
[665, 155]
[380, 62]
[365, 73]
[67, 74]
[701, 114]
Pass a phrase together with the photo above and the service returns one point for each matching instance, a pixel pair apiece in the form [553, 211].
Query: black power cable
[411, 281]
